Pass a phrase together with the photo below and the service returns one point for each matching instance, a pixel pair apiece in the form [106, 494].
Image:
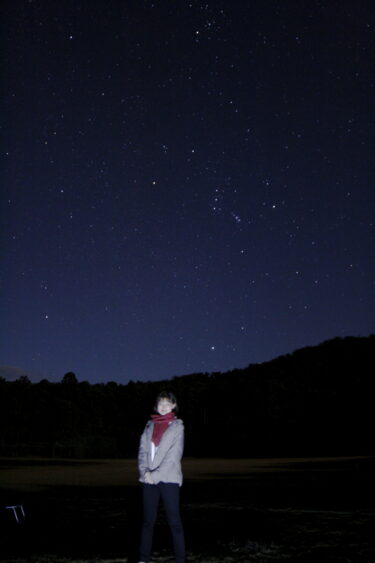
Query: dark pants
[170, 495]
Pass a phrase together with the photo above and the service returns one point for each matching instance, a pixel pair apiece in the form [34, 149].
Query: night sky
[186, 186]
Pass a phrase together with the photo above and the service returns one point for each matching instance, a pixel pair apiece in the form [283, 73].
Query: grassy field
[261, 510]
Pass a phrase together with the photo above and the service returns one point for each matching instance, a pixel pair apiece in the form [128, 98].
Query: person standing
[159, 464]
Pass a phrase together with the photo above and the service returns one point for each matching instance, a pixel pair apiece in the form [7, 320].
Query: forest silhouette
[316, 401]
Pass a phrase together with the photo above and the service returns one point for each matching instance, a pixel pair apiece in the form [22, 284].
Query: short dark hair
[170, 397]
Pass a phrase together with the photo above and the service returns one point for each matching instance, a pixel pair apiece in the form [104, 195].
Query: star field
[186, 186]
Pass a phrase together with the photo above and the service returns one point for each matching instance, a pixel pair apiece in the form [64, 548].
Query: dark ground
[306, 512]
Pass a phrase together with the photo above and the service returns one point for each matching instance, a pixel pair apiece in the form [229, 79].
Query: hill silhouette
[314, 401]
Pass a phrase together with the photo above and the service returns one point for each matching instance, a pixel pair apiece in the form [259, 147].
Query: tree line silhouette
[315, 401]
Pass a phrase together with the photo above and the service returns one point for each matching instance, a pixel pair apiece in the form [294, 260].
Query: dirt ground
[305, 510]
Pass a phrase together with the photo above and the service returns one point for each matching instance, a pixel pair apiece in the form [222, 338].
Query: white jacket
[166, 465]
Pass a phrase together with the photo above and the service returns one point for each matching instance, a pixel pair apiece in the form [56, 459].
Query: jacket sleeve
[170, 465]
[142, 454]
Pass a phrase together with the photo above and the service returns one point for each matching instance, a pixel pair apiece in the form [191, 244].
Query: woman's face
[165, 406]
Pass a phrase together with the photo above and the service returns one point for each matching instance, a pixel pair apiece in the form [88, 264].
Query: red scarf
[161, 423]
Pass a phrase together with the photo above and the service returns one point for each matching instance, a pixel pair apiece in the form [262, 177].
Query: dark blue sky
[186, 186]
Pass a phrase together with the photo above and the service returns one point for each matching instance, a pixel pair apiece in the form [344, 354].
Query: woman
[159, 464]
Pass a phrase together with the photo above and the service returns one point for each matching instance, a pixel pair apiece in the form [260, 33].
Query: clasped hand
[148, 478]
